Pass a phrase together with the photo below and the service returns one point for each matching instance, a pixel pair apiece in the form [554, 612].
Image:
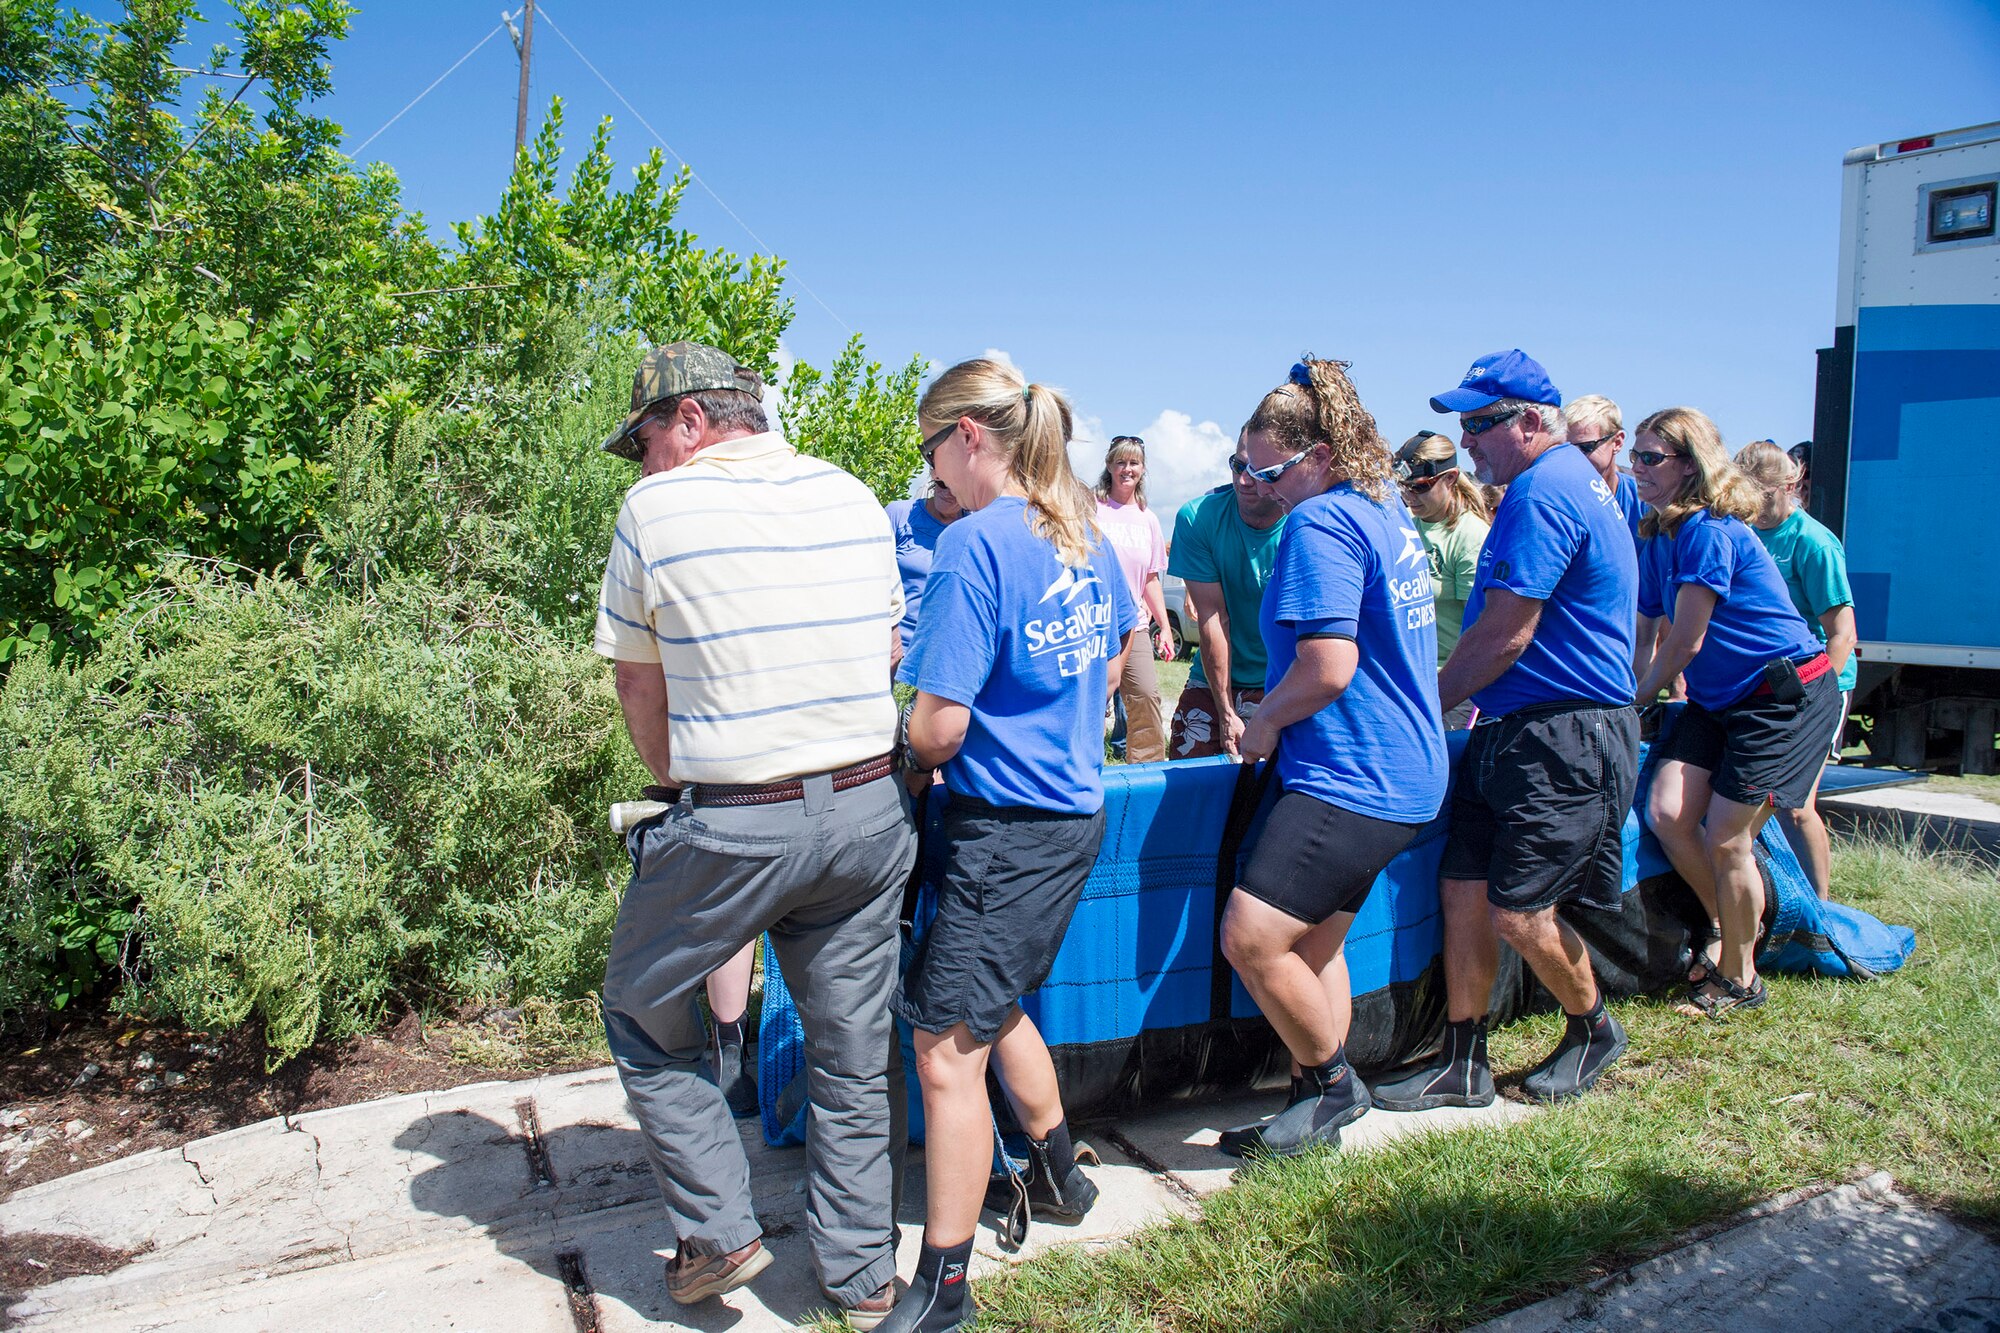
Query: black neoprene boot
[1334, 1096]
[937, 1300]
[739, 1085]
[1235, 1139]
[1457, 1075]
[1590, 1045]
[1054, 1183]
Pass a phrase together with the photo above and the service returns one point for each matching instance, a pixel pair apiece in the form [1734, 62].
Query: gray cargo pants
[824, 875]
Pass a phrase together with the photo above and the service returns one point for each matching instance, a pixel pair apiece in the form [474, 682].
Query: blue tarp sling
[1140, 1004]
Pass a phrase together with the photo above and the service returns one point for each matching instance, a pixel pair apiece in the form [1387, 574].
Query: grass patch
[1984, 786]
[1701, 1120]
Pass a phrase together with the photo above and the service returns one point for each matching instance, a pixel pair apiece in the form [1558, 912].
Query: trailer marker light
[1912, 145]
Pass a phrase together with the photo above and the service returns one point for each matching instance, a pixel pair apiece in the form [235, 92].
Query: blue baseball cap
[1509, 374]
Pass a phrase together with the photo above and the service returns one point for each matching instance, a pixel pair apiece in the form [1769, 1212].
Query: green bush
[318, 803]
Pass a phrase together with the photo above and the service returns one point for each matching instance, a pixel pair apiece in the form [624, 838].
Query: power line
[549, 19]
[427, 92]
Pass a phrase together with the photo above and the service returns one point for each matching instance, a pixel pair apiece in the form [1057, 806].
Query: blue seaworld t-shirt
[1023, 641]
[1630, 504]
[1754, 621]
[917, 534]
[1351, 567]
[1560, 538]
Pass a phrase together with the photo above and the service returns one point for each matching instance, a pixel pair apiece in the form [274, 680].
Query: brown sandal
[1715, 995]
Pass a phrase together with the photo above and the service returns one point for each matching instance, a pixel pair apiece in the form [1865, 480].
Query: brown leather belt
[792, 789]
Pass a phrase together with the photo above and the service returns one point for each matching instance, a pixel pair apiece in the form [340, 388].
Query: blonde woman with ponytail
[1452, 514]
[1761, 698]
[1026, 624]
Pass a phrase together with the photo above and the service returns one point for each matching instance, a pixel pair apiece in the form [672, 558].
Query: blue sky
[1158, 207]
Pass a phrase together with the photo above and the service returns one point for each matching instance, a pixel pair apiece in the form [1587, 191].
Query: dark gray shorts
[1012, 879]
[1538, 806]
[1759, 751]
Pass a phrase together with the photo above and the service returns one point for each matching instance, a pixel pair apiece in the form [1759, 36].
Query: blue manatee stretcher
[1140, 1004]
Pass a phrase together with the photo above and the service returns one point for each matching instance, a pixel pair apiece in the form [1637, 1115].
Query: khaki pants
[1145, 733]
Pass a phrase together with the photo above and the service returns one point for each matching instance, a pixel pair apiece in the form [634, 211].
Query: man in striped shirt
[750, 602]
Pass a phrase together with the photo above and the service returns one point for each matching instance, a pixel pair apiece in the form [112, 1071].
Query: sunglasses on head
[1241, 467]
[1479, 425]
[1652, 457]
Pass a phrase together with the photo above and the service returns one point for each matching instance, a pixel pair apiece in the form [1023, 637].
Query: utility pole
[524, 46]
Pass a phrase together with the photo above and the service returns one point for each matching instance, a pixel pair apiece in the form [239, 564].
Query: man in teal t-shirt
[1225, 543]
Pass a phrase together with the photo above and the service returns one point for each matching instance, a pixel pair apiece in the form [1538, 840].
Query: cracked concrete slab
[1860, 1256]
[467, 1209]
[1181, 1139]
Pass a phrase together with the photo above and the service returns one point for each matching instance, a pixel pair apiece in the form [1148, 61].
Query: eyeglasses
[932, 443]
[1480, 425]
[1589, 445]
[1652, 457]
[1117, 440]
[1419, 484]
[1241, 467]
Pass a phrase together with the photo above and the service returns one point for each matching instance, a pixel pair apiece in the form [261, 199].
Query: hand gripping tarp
[1141, 1005]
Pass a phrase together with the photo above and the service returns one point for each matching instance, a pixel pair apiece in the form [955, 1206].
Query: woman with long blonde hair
[1350, 721]
[1025, 627]
[1453, 518]
[1761, 697]
[1814, 565]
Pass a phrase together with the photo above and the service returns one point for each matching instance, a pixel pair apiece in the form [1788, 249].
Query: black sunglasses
[932, 443]
[1480, 425]
[1588, 445]
[1652, 457]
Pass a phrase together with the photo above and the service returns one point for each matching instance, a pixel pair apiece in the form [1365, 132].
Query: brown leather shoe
[696, 1277]
[872, 1311]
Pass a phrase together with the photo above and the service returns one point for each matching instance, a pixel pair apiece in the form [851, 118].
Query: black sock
[1061, 1151]
[939, 1284]
[1329, 1075]
[1593, 1017]
[730, 1034]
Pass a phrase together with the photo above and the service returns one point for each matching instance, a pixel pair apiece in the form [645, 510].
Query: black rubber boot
[739, 1085]
[1591, 1044]
[1238, 1137]
[1457, 1075]
[938, 1300]
[1056, 1185]
[1335, 1097]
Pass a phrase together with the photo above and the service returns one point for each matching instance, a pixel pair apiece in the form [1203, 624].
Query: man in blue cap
[1550, 770]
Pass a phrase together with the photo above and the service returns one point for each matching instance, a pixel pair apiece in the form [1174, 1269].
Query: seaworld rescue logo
[1080, 636]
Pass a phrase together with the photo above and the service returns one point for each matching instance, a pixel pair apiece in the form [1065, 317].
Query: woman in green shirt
[1814, 565]
[1452, 516]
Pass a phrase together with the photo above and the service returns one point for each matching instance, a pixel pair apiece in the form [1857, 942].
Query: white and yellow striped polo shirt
[764, 583]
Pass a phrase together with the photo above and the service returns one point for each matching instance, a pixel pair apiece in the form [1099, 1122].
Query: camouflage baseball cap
[669, 372]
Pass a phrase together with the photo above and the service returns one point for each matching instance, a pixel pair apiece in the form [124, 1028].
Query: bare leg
[729, 985]
[958, 1137]
[1320, 947]
[1259, 941]
[1471, 949]
[1806, 831]
[1028, 1075]
[1731, 837]
[1674, 810]
[1554, 952]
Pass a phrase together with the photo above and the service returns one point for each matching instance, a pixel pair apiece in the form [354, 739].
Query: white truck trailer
[1906, 443]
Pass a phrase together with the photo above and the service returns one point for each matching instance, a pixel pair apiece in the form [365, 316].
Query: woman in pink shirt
[1135, 536]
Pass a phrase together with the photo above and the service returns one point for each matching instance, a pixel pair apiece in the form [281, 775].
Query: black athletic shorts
[1538, 806]
[1012, 878]
[1314, 859]
[1759, 750]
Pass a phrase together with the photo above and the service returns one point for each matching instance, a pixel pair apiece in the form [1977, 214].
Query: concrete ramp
[1858, 1257]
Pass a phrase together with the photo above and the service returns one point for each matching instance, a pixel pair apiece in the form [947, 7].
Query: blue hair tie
[1301, 374]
